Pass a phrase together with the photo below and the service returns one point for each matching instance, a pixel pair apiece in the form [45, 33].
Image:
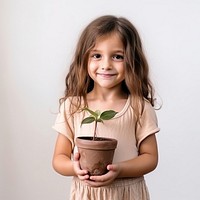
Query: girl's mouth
[105, 75]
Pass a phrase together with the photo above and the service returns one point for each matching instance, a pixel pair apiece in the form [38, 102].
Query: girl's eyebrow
[119, 51]
[113, 51]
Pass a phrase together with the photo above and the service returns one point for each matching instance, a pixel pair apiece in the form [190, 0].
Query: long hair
[136, 83]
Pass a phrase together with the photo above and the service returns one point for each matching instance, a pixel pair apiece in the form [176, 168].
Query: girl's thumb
[111, 167]
[76, 156]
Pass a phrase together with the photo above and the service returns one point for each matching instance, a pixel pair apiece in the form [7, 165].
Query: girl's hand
[81, 174]
[106, 179]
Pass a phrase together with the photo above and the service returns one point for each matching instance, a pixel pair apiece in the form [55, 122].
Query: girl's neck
[104, 100]
[106, 95]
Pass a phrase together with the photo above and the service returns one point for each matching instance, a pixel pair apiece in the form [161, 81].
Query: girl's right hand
[81, 174]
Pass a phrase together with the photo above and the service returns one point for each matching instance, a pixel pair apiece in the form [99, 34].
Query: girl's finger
[76, 156]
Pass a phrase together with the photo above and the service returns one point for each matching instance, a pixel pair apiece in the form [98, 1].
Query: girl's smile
[105, 75]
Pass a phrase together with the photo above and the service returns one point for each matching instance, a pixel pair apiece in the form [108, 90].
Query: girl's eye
[118, 57]
[96, 56]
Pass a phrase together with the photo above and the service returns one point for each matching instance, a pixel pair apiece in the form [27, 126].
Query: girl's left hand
[106, 179]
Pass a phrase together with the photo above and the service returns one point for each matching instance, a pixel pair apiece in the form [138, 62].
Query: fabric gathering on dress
[129, 135]
[121, 189]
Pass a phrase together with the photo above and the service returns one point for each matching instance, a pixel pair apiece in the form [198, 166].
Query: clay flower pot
[96, 154]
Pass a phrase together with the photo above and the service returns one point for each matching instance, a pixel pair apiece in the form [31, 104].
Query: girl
[109, 71]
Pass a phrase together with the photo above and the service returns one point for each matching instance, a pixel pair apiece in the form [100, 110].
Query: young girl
[109, 71]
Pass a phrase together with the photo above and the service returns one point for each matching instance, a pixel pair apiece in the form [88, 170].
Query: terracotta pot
[96, 154]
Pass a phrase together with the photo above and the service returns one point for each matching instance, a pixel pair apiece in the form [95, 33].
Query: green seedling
[97, 116]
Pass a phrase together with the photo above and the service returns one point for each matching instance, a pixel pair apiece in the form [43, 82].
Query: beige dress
[123, 128]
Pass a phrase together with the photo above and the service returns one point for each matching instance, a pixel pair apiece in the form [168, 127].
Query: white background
[37, 42]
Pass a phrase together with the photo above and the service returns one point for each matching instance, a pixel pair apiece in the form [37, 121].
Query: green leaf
[88, 120]
[95, 114]
[109, 114]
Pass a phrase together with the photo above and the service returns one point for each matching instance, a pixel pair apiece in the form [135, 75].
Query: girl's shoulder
[149, 112]
[143, 106]
[147, 104]
[71, 100]
[66, 103]
[147, 107]
[70, 104]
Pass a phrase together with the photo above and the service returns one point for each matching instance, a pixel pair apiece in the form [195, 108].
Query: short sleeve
[64, 122]
[148, 124]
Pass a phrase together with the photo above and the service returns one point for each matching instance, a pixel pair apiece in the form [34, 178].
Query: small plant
[97, 116]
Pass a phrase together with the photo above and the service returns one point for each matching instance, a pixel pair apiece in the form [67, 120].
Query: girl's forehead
[102, 38]
[107, 35]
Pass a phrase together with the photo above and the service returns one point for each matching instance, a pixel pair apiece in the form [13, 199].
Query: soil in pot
[96, 154]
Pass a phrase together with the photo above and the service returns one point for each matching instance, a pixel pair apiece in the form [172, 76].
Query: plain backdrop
[37, 42]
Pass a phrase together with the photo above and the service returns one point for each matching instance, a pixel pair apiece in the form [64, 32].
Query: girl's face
[106, 62]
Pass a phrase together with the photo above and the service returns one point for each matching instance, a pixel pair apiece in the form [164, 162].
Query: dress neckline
[124, 109]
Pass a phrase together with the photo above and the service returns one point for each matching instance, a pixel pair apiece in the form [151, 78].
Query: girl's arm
[62, 162]
[144, 163]
[139, 166]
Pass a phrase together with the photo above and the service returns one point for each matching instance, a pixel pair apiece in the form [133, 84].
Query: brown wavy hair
[137, 83]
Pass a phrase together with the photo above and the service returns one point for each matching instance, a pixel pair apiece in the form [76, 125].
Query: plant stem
[95, 130]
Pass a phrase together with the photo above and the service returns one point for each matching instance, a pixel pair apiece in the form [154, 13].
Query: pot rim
[86, 142]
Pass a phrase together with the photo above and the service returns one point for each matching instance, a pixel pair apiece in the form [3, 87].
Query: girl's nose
[106, 64]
